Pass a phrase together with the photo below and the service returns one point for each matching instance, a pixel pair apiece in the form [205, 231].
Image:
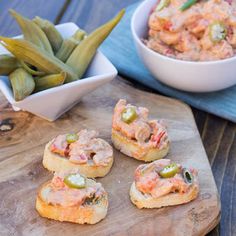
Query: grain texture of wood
[29, 8]
[21, 170]
[219, 140]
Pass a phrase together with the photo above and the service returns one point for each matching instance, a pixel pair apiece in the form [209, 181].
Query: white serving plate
[50, 104]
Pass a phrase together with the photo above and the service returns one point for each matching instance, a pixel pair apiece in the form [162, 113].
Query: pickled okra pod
[51, 32]
[32, 32]
[30, 70]
[33, 55]
[22, 83]
[79, 35]
[85, 51]
[8, 64]
[66, 49]
[49, 81]
[69, 45]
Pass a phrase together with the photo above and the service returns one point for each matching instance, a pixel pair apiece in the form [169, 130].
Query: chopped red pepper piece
[157, 139]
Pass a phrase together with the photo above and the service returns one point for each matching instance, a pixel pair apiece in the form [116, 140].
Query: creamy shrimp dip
[205, 31]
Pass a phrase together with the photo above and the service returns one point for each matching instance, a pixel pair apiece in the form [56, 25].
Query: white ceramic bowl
[183, 75]
[52, 103]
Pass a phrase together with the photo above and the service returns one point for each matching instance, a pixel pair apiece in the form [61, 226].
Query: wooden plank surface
[49, 9]
[91, 14]
[219, 139]
[20, 179]
[212, 129]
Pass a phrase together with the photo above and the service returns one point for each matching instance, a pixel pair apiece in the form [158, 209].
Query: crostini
[163, 183]
[136, 136]
[82, 151]
[72, 198]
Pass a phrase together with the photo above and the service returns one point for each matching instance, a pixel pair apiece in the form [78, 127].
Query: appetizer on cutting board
[163, 183]
[82, 151]
[136, 136]
[72, 198]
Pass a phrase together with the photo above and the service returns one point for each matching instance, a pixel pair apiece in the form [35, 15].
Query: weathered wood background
[218, 135]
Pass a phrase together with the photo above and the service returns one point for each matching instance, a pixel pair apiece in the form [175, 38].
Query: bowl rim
[156, 54]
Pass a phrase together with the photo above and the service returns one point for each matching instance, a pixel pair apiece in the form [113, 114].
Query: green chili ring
[169, 171]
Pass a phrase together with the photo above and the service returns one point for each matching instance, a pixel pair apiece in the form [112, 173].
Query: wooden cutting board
[21, 171]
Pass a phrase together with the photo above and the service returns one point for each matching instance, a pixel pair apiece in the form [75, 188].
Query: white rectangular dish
[50, 104]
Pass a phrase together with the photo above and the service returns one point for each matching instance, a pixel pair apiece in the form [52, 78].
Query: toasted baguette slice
[133, 149]
[147, 201]
[54, 162]
[85, 214]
